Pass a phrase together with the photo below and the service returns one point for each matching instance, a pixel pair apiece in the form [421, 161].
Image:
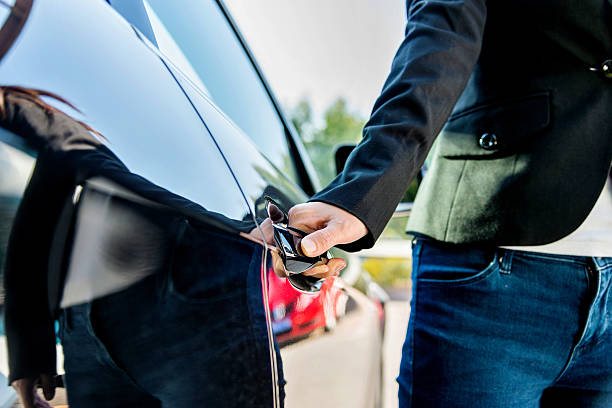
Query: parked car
[296, 315]
[179, 99]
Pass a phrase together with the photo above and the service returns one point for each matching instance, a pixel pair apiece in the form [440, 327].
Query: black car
[169, 92]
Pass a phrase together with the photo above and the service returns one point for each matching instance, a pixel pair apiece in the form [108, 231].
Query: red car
[296, 315]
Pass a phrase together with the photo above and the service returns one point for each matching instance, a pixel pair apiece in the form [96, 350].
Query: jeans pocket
[207, 266]
[445, 264]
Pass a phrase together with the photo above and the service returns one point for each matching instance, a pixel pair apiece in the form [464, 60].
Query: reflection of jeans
[194, 335]
[500, 328]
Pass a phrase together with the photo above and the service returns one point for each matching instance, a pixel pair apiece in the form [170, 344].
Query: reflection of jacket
[39, 245]
[528, 147]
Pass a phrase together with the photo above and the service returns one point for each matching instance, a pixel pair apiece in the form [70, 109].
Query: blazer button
[488, 141]
[605, 69]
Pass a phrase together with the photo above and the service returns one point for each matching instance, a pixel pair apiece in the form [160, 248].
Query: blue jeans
[192, 335]
[499, 328]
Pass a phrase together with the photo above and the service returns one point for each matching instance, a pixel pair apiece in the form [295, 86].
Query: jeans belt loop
[505, 261]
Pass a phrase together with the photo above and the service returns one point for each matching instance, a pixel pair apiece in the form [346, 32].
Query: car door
[94, 69]
[330, 341]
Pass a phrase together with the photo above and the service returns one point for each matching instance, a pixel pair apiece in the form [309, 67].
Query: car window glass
[255, 173]
[166, 43]
[205, 38]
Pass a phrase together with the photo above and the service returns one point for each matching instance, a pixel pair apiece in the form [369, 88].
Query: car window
[215, 58]
[255, 174]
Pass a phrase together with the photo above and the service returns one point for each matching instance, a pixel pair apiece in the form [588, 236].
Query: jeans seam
[480, 276]
[411, 334]
[413, 313]
[603, 263]
[107, 357]
[577, 345]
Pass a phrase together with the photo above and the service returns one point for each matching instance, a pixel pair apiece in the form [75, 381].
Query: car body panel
[171, 125]
[129, 96]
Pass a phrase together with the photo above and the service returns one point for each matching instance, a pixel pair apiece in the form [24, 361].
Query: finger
[303, 217]
[255, 234]
[334, 266]
[320, 241]
[319, 271]
[25, 390]
[268, 231]
[277, 264]
[48, 385]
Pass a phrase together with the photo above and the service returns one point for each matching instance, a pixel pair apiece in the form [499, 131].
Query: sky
[323, 49]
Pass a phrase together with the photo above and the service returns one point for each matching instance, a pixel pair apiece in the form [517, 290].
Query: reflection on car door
[320, 333]
[306, 326]
[138, 200]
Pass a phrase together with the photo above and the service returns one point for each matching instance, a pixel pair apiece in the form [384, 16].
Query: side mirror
[341, 154]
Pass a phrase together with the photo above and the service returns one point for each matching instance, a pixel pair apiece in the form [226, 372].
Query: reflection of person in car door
[513, 257]
[159, 301]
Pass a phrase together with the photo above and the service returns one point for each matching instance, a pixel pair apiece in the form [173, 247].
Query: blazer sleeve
[29, 323]
[429, 72]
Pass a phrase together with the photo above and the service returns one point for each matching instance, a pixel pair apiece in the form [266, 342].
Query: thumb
[48, 385]
[318, 242]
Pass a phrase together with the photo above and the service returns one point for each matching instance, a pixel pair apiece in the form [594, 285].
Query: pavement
[397, 312]
[305, 363]
[330, 371]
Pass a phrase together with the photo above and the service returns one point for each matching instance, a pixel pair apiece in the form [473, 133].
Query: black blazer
[528, 147]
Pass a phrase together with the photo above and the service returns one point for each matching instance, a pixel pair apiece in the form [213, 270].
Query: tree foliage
[340, 125]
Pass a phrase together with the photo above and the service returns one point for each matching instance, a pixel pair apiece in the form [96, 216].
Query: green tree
[340, 125]
[301, 118]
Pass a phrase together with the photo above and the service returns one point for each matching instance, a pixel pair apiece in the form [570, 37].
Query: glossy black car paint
[164, 126]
